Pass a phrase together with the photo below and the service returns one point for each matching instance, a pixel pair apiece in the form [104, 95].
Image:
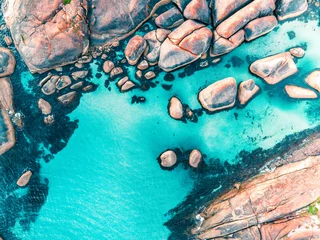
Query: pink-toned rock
[77, 85]
[135, 48]
[63, 82]
[290, 8]
[127, 86]
[297, 52]
[181, 4]
[184, 30]
[24, 179]
[195, 158]
[275, 68]
[149, 75]
[198, 10]
[222, 46]
[313, 80]
[219, 95]
[7, 62]
[154, 40]
[7, 40]
[67, 98]
[222, 9]
[116, 72]
[197, 42]
[143, 65]
[169, 19]
[108, 66]
[48, 119]
[253, 10]
[50, 86]
[175, 108]
[299, 92]
[247, 89]
[79, 74]
[44, 106]
[122, 81]
[259, 27]
[168, 158]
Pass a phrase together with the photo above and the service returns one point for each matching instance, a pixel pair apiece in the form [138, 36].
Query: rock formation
[219, 95]
[247, 89]
[134, 49]
[299, 92]
[195, 158]
[24, 179]
[175, 108]
[7, 62]
[313, 80]
[291, 8]
[169, 19]
[297, 52]
[168, 159]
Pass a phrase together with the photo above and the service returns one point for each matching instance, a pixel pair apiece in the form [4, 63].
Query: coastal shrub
[65, 2]
[313, 210]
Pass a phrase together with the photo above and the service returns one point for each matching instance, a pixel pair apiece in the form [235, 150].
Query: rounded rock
[175, 108]
[24, 179]
[168, 159]
[195, 158]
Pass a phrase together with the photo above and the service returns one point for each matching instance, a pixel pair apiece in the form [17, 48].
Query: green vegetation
[313, 210]
[65, 2]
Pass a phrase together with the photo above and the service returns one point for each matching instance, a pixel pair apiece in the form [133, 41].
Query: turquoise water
[107, 184]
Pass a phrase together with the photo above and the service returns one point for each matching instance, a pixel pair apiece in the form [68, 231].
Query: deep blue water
[105, 182]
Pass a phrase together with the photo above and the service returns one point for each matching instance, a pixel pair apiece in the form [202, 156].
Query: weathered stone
[63, 82]
[44, 106]
[48, 119]
[184, 30]
[50, 86]
[139, 74]
[39, 27]
[79, 74]
[195, 158]
[122, 81]
[297, 52]
[24, 179]
[143, 65]
[85, 59]
[168, 158]
[181, 4]
[290, 8]
[127, 86]
[58, 69]
[77, 85]
[154, 40]
[7, 40]
[259, 27]
[222, 46]
[108, 66]
[247, 89]
[313, 80]
[175, 108]
[149, 75]
[275, 68]
[222, 9]
[198, 10]
[134, 49]
[67, 98]
[219, 95]
[7, 62]
[87, 88]
[115, 72]
[299, 92]
[169, 19]
[255, 9]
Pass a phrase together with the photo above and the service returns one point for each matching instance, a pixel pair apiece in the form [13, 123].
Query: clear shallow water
[107, 184]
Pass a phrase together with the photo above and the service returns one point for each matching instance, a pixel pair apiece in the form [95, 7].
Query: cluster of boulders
[168, 159]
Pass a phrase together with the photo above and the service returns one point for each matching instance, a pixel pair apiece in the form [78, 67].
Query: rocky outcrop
[259, 27]
[24, 179]
[219, 95]
[108, 66]
[265, 206]
[313, 80]
[297, 52]
[184, 45]
[169, 19]
[168, 159]
[198, 10]
[247, 89]
[195, 158]
[290, 8]
[175, 108]
[7, 62]
[63, 82]
[67, 98]
[44, 106]
[275, 68]
[222, 45]
[134, 49]
[39, 27]
[299, 92]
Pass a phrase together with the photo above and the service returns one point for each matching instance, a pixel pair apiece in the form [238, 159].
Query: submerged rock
[198, 10]
[247, 89]
[175, 108]
[24, 179]
[168, 159]
[313, 80]
[44, 106]
[77, 85]
[50, 86]
[63, 82]
[297, 52]
[259, 27]
[134, 49]
[67, 98]
[170, 18]
[275, 68]
[299, 92]
[219, 95]
[48, 119]
[290, 8]
[7, 62]
[108, 66]
[195, 158]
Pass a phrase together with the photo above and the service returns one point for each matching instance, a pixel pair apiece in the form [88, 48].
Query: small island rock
[195, 158]
[299, 92]
[168, 158]
[313, 80]
[24, 179]
[44, 106]
[247, 89]
[108, 66]
[175, 108]
[297, 52]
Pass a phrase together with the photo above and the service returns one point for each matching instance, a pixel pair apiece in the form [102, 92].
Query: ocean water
[106, 182]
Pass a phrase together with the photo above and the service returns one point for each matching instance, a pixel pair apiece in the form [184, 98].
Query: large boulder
[299, 92]
[290, 8]
[175, 108]
[259, 27]
[275, 68]
[168, 159]
[221, 45]
[198, 10]
[39, 27]
[313, 80]
[114, 19]
[247, 89]
[253, 10]
[134, 49]
[170, 18]
[7, 62]
[184, 45]
[219, 95]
